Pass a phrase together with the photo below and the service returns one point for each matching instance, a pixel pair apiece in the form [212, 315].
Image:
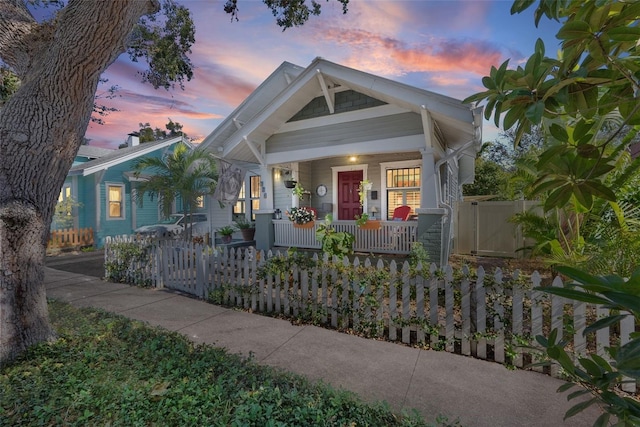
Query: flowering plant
[300, 215]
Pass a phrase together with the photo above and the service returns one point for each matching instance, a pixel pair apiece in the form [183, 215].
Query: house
[103, 184]
[329, 127]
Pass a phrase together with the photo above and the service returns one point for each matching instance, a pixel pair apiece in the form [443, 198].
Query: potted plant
[298, 190]
[364, 223]
[362, 220]
[290, 183]
[225, 233]
[301, 217]
[246, 227]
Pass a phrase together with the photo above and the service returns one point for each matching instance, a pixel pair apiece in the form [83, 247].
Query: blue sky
[445, 46]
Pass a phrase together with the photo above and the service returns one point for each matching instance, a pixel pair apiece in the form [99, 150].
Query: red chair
[401, 213]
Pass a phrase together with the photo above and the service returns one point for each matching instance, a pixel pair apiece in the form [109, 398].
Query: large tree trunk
[41, 128]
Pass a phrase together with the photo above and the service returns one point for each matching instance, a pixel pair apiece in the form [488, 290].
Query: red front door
[348, 199]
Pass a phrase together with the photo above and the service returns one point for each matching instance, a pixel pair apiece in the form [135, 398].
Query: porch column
[266, 187]
[429, 191]
[265, 235]
[431, 223]
[431, 217]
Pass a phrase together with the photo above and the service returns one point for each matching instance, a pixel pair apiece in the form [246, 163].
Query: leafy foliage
[591, 85]
[62, 216]
[288, 13]
[585, 101]
[107, 370]
[9, 83]
[164, 41]
[123, 264]
[334, 243]
[185, 173]
[148, 134]
[595, 374]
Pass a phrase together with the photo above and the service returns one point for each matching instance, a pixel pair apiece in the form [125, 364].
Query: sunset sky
[442, 46]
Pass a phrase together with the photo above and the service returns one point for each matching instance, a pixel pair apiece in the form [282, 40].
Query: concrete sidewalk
[479, 393]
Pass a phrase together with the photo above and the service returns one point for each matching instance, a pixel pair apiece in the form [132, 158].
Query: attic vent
[347, 100]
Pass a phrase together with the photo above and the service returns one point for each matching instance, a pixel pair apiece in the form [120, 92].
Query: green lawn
[105, 369]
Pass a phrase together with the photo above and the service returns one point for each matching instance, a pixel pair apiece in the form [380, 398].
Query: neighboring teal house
[103, 183]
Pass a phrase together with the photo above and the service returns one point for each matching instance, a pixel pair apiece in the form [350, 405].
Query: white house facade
[328, 127]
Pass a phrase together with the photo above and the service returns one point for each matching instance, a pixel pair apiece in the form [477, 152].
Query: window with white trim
[115, 201]
[65, 201]
[248, 205]
[403, 188]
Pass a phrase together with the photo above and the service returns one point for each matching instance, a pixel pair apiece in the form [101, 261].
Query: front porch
[393, 237]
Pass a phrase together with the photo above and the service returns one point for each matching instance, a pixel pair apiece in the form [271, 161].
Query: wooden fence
[484, 228]
[487, 316]
[70, 238]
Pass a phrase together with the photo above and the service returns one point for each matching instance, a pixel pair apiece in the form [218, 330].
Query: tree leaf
[576, 409]
[534, 112]
[565, 387]
[574, 295]
[603, 323]
[623, 33]
[574, 30]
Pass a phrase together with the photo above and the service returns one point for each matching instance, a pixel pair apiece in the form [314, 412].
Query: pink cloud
[388, 55]
[449, 80]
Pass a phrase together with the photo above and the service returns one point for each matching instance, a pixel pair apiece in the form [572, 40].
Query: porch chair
[401, 213]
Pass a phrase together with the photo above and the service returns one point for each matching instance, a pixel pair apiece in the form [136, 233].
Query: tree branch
[16, 25]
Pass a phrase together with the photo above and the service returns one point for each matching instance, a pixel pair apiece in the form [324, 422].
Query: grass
[104, 369]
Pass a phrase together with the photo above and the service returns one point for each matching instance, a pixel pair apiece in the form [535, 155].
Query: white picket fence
[487, 316]
[393, 237]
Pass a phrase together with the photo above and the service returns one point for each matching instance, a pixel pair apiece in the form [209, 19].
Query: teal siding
[148, 213]
[86, 196]
[86, 188]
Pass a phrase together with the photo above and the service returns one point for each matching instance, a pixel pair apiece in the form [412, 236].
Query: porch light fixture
[352, 159]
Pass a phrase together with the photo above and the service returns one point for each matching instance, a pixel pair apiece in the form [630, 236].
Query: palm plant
[186, 174]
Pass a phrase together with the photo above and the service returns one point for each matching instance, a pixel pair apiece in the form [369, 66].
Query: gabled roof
[117, 157]
[92, 152]
[277, 103]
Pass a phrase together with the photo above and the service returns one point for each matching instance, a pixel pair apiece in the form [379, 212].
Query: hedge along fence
[487, 316]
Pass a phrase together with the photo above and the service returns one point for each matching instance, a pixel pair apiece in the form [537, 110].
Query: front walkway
[479, 393]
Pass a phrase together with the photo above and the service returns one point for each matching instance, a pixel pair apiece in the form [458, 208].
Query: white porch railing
[392, 237]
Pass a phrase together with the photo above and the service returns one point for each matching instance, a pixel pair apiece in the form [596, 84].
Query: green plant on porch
[334, 243]
[227, 230]
[361, 219]
[242, 223]
[298, 190]
[363, 187]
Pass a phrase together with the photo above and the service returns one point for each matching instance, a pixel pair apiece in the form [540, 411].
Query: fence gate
[484, 229]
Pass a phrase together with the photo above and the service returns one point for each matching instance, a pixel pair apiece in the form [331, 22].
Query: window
[115, 201]
[65, 201]
[251, 204]
[200, 202]
[403, 188]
